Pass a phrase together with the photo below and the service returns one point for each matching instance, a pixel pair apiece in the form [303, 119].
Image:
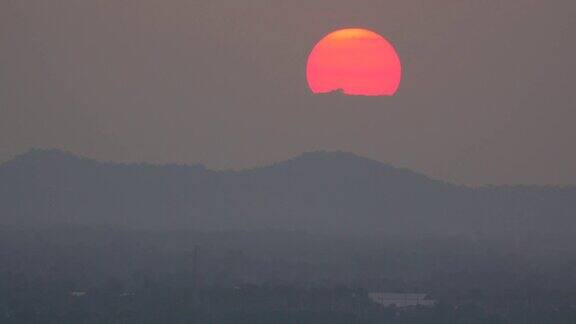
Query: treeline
[169, 301]
[104, 275]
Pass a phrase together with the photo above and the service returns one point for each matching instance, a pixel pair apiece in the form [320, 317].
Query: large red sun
[355, 61]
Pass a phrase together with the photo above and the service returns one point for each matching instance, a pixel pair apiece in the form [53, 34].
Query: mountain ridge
[41, 154]
[318, 191]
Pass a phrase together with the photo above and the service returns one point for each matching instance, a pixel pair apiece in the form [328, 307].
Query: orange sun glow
[355, 61]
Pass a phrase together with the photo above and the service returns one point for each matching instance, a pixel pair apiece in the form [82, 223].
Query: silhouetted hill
[319, 191]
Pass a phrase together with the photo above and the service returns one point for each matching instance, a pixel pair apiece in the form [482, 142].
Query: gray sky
[487, 93]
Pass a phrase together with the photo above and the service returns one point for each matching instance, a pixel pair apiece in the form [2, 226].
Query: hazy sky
[487, 94]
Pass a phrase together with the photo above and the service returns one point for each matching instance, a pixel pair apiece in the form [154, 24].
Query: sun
[355, 61]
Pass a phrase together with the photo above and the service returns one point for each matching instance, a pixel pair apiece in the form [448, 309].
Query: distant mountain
[319, 191]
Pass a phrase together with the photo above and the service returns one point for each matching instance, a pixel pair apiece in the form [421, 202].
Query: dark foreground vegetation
[117, 276]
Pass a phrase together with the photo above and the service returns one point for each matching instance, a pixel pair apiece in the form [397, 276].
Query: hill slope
[320, 191]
